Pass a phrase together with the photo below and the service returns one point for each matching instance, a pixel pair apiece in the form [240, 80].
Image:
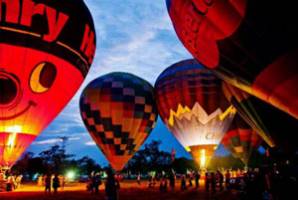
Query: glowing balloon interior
[46, 48]
[202, 154]
[248, 43]
[191, 103]
[119, 112]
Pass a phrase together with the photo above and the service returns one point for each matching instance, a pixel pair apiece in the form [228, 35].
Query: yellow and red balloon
[46, 50]
[191, 103]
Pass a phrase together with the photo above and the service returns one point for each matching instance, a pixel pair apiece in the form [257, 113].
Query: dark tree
[181, 165]
[53, 160]
[150, 158]
[88, 165]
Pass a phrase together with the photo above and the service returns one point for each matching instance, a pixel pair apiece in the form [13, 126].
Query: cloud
[49, 141]
[90, 143]
[74, 138]
[53, 141]
[137, 37]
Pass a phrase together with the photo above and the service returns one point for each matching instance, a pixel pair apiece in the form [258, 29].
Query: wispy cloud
[90, 143]
[138, 37]
[74, 138]
[49, 141]
[55, 141]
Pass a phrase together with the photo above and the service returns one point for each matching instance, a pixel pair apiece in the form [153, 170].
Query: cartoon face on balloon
[200, 26]
[33, 91]
[40, 70]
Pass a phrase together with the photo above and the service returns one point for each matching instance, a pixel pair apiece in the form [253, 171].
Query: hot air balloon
[241, 140]
[191, 103]
[46, 50]
[119, 112]
[276, 127]
[241, 101]
[250, 44]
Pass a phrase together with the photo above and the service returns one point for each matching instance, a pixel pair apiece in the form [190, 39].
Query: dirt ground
[128, 191]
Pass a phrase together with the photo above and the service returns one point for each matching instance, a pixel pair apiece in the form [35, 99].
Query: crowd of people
[51, 182]
[9, 181]
[272, 182]
[269, 183]
[111, 184]
[169, 180]
[213, 179]
[265, 183]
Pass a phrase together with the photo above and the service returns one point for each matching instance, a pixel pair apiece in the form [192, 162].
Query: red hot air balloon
[250, 44]
[46, 49]
[191, 103]
[119, 112]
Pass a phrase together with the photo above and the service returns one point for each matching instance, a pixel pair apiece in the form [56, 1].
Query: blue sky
[133, 36]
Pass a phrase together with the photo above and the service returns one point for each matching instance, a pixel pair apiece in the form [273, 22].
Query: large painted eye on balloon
[42, 77]
[9, 89]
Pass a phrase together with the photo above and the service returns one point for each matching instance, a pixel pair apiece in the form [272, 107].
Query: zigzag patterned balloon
[191, 103]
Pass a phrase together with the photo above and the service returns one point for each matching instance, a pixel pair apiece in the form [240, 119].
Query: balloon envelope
[241, 140]
[247, 42]
[191, 103]
[245, 108]
[275, 127]
[119, 112]
[46, 49]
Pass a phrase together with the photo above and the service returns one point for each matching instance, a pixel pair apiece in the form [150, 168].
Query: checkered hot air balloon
[251, 44]
[241, 140]
[119, 112]
[191, 103]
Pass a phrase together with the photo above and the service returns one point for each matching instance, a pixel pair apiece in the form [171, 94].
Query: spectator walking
[207, 181]
[48, 181]
[213, 182]
[183, 183]
[197, 179]
[56, 183]
[139, 179]
[190, 178]
[219, 177]
[112, 186]
[172, 180]
[227, 179]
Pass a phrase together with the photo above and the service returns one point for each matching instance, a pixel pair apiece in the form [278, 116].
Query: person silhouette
[56, 183]
[48, 180]
[111, 186]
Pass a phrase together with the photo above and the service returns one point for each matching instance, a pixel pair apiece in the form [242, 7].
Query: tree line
[149, 158]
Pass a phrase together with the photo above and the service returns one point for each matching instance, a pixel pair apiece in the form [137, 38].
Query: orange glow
[12, 138]
[202, 154]
[203, 158]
